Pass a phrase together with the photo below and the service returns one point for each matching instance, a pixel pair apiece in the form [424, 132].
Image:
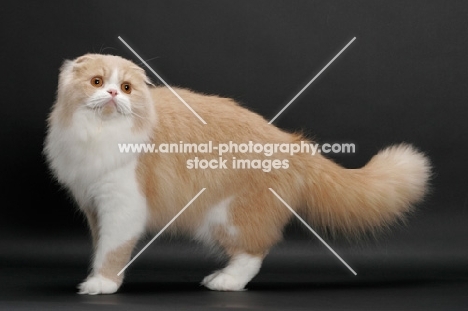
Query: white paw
[97, 285]
[222, 281]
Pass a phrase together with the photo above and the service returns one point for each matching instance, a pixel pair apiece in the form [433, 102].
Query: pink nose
[113, 92]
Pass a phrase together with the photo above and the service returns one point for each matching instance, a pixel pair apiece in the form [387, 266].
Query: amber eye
[126, 87]
[97, 81]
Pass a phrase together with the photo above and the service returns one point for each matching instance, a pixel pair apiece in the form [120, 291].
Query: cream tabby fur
[125, 194]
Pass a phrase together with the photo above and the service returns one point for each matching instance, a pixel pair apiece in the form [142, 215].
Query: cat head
[105, 86]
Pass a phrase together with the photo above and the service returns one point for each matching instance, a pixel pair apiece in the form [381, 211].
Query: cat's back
[223, 116]
[207, 106]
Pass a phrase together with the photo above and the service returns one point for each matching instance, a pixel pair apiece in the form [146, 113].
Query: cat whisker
[122, 109]
[95, 115]
[93, 101]
[137, 115]
[108, 47]
[128, 111]
[138, 106]
[127, 118]
[148, 60]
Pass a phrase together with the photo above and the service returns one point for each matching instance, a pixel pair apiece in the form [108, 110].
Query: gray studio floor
[411, 268]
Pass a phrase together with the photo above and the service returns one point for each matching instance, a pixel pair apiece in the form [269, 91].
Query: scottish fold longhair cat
[103, 101]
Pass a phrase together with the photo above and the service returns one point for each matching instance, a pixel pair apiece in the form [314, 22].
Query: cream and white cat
[104, 100]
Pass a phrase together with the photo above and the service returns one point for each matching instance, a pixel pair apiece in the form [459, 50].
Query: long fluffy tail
[353, 201]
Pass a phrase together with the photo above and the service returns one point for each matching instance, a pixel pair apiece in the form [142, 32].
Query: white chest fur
[85, 154]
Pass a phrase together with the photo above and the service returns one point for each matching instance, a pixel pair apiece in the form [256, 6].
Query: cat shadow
[143, 288]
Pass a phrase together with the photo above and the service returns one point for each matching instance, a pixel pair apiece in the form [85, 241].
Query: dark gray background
[403, 80]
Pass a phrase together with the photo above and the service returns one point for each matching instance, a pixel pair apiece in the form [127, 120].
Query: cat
[105, 100]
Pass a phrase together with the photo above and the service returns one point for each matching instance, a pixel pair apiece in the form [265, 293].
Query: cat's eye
[126, 87]
[97, 81]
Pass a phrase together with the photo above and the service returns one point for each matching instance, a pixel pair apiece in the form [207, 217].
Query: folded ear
[70, 66]
[83, 59]
[81, 62]
[142, 71]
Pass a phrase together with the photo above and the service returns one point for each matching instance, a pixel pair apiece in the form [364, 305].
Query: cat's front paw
[96, 285]
[222, 281]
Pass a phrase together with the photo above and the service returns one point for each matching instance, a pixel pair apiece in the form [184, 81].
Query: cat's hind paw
[222, 281]
[96, 285]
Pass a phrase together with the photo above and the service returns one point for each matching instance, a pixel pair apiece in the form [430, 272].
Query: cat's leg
[118, 230]
[91, 217]
[235, 276]
[254, 224]
[118, 220]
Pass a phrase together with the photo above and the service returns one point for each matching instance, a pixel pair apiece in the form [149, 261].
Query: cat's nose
[113, 92]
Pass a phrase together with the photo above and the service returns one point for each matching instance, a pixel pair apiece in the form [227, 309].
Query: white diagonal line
[162, 230]
[310, 82]
[312, 230]
[162, 80]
